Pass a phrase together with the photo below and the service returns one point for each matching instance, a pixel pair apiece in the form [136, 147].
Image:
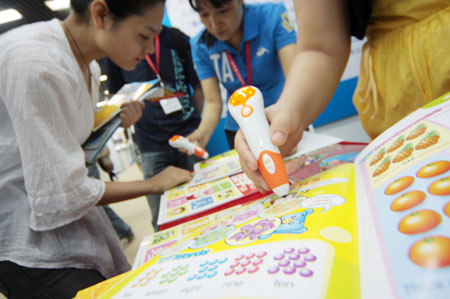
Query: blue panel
[218, 142]
[341, 104]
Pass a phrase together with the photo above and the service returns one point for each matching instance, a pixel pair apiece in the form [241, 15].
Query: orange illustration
[447, 209]
[399, 185]
[440, 187]
[419, 222]
[431, 252]
[408, 200]
[433, 169]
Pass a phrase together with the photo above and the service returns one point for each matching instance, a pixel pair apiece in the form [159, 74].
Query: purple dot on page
[305, 272]
[303, 250]
[299, 264]
[289, 250]
[273, 270]
[294, 257]
[278, 257]
[310, 258]
[284, 263]
[289, 270]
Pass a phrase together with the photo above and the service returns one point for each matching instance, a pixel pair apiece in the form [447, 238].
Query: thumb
[279, 130]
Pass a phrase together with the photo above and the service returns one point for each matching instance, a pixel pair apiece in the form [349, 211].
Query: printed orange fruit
[440, 187]
[431, 252]
[408, 200]
[419, 222]
[399, 185]
[433, 169]
[447, 209]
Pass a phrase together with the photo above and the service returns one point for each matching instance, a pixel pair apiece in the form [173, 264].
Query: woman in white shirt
[55, 240]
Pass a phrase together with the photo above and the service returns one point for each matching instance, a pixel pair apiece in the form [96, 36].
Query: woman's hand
[198, 137]
[170, 177]
[130, 113]
[286, 131]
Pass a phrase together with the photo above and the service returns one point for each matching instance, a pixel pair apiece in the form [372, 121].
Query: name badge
[170, 105]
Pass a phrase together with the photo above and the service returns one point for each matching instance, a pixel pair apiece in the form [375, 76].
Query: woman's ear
[100, 14]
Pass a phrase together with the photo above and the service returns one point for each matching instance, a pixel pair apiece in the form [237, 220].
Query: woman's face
[126, 42]
[222, 22]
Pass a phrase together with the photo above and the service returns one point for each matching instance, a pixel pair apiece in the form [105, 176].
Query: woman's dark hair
[206, 36]
[120, 9]
[214, 3]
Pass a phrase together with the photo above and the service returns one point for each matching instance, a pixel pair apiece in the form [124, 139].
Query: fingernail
[278, 136]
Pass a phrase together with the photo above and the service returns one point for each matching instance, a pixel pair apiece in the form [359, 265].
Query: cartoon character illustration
[291, 224]
[281, 205]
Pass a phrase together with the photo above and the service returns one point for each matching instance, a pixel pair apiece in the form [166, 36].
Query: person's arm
[168, 178]
[212, 111]
[323, 46]
[287, 56]
[198, 98]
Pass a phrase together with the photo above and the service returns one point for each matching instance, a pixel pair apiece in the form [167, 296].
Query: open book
[375, 228]
[107, 118]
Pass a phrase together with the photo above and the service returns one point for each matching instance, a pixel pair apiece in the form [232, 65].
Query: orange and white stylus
[246, 105]
[178, 141]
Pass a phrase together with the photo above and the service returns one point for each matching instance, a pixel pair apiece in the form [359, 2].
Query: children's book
[214, 168]
[375, 228]
[404, 177]
[184, 201]
[227, 163]
[305, 243]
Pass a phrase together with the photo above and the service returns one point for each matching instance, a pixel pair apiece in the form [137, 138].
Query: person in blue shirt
[240, 45]
[157, 125]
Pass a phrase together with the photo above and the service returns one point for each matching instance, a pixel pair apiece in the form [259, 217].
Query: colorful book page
[312, 163]
[214, 168]
[405, 174]
[184, 201]
[305, 243]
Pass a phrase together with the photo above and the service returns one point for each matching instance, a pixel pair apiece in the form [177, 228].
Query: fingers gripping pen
[246, 105]
[178, 141]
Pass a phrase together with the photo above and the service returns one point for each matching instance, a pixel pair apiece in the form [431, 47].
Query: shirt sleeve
[200, 57]
[44, 102]
[284, 30]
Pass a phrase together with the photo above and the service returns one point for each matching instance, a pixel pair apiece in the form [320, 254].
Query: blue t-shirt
[154, 128]
[268, 29]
